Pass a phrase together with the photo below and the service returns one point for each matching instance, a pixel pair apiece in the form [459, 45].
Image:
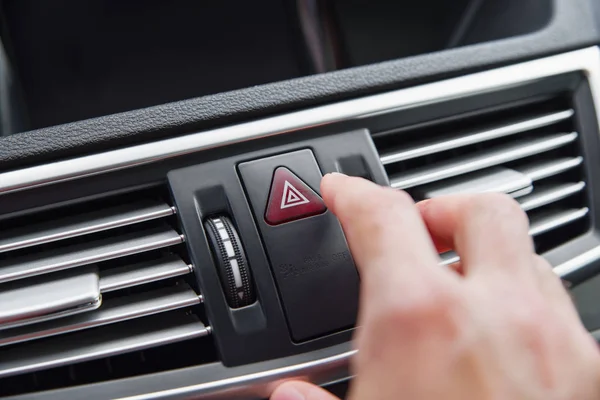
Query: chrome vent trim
[88, 253]
[552, 220]
[103, 342]
[533, 160]
[41, 300]
[543, 181]
[130, 258]
[79, 225]
[540, 170]
[112, 311]
[478, 162]
[549, 194]
[142, 273]
[426, 148]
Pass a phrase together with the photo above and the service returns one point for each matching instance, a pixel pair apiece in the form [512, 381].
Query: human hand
[502, 327]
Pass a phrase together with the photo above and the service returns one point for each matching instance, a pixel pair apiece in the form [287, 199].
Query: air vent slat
[449, 257]
[142, 273]
[549, 194]
[496, 179]
[529, 150]
[83, 224]
[102, 278]
[425, 148]
[545, 169]
[484, 159]
[38, 300]
[88, 253]
[552, 220]
[112, 311]
[102, 342]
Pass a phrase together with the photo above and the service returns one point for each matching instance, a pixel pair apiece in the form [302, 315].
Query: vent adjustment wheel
[231, 261]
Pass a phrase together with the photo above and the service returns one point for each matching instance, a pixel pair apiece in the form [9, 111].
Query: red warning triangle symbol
[291, 199]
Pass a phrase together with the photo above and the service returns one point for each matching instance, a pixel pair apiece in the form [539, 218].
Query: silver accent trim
[260, 384]
[544, 195]
[496, 179]
[586, 60]
[112, 311]
[449, 258]
[43, 300]
[540, 170]
[82, 224]
[88, 253]
[553, 220]
[484, 159]
[425, 148]
[142, 273]
[577, 263]
[107, 341]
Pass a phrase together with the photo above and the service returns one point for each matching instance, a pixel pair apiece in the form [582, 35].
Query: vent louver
[92, 281]
[531, 152]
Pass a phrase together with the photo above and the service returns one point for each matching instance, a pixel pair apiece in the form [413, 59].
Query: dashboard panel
[123, 200]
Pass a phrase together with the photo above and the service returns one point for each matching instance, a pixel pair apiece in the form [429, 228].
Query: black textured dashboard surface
[574, 25]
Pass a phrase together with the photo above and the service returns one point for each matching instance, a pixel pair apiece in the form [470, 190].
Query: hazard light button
[290, 199]
[307, 250]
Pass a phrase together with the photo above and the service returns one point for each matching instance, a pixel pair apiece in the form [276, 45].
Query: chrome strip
[449, 258]
[142, 273]
[537, 171]
[480, 160]
[555, 220]
[545, 195]
[426, 148]
[88, 253]
[495, 179]
[40, 300]
[575, 264]
[82, 224]
[112, 311]
[260, 384]
[102, 342]
[586, 60]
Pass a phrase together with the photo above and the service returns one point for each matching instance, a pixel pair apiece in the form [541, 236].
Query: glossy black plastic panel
[259, 331]
[314, 270]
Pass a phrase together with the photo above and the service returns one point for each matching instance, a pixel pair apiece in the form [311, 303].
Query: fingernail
[288, 392]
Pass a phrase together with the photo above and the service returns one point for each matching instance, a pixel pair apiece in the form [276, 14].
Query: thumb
[297, 390]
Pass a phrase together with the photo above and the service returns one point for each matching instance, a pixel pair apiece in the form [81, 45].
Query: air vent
[93, 281]
[531, 152]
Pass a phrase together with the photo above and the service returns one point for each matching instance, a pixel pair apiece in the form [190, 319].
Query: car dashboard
[162, 231]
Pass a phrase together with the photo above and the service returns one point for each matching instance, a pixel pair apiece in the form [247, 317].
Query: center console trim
[585, 60]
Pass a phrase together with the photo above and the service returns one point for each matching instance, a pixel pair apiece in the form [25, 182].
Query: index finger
[386, 234]
[408, 303]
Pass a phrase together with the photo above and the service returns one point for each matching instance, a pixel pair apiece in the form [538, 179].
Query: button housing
[315, 273]
[212, 186]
